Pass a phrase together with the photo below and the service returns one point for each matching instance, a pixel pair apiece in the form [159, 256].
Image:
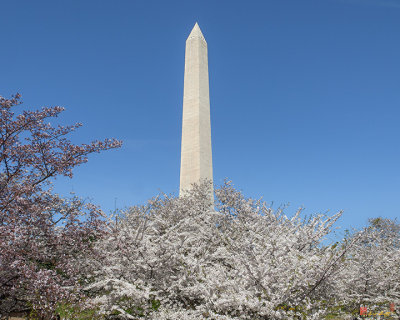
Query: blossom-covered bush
[182, 258]
[370, 275]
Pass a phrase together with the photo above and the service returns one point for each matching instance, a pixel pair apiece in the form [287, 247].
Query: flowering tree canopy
[370, 274]
[180, 258]
[42, 236]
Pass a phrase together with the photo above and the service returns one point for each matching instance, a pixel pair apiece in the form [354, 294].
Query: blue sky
[305, 95]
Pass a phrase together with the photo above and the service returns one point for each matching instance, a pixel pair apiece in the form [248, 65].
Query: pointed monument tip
[196, 32]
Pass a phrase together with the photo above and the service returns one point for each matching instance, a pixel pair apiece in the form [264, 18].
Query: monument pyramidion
[196, 154]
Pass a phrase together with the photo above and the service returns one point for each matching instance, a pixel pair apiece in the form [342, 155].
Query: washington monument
[196, 155]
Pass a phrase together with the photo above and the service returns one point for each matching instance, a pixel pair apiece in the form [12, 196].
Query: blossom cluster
[185, 258]
[43, 237]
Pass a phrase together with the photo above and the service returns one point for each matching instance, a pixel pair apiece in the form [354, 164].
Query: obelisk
[196, 157]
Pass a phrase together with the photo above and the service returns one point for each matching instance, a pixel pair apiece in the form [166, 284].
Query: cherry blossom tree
[180, 258]
[370, 274]
[43, 237]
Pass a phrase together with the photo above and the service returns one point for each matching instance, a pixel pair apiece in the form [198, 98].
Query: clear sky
[305, 95]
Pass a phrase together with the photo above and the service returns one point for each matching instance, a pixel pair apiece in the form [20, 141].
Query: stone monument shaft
[196, 156]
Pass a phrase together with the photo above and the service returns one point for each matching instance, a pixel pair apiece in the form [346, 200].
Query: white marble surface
[196, 154]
